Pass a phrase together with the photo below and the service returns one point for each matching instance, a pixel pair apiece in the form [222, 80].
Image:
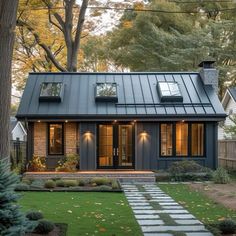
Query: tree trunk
[8, 10]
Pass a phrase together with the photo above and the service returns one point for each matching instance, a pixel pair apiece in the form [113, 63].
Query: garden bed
[70, 185]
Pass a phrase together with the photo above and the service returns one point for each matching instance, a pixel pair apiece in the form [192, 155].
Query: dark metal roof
[137, 96]
[233, 92]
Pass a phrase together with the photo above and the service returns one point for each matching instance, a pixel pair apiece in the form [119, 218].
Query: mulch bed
[59, 230]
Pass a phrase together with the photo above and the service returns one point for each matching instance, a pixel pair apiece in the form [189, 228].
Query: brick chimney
[209, 74]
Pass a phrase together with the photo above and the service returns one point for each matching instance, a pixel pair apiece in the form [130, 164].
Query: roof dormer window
[169, 92]
[51, 92]
[106, 92]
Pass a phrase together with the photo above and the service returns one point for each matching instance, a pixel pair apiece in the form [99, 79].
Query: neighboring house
[18, 131]
[229, 105]
[136, 121]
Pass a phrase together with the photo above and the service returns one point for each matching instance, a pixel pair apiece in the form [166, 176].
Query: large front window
[166, 138]
[182, 139]
[197, 144]
[55, 142]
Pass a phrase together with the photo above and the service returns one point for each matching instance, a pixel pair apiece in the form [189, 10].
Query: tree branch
[44, 46]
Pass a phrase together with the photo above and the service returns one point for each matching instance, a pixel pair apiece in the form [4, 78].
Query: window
[106, 92]
[166, 139]
[51, 92]
[55, 142]
[182, 139]
[197, 139]
[169, 92]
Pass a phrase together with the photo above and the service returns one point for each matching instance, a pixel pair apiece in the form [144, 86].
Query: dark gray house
[137, 121]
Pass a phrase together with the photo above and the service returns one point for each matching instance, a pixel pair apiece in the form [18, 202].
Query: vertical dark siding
[147, 146]
[88, 146]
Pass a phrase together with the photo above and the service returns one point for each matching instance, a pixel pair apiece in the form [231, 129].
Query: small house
[229, 105]
[134, 121]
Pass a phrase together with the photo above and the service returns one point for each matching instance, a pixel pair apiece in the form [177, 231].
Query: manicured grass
[85, 213]
[198, 204]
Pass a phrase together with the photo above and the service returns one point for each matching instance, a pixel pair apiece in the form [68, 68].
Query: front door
[115, 146]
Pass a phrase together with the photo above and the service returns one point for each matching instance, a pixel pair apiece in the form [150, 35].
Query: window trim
[189, 154]
[49, 98]
[106, 98]
[169, 98]
[63, 139]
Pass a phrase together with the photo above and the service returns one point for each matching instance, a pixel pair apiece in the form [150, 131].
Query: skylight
[51, 92]
[169, 92]
[106, 92]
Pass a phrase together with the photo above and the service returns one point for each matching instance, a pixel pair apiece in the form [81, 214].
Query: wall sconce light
[88, 134]
[39, 121]
[66, 121]
[143, 133]
[115, 121]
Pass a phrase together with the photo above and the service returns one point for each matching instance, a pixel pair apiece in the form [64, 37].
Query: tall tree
[64, 23]
[8, 10]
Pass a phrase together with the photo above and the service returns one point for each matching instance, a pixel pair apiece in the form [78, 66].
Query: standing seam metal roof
[137, 96]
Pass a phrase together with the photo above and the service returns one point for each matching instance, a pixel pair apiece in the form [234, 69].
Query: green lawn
[85, 213]
[198, 204]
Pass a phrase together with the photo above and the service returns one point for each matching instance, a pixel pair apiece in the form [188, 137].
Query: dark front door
[115, 146]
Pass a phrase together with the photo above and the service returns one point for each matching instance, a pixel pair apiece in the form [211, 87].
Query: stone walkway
[158, 214]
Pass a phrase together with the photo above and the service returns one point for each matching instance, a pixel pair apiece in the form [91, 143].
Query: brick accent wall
[70, 138]
[40, 139]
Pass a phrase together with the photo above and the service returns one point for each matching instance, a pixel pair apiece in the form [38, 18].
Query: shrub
[22, 187]
[44, 227]
[37, 183]
[188, 170]
[101, 181]
[81, 182]
[114, 184]
[70, 164]
[49, 184]
[60, 183]
[70, 183]
[221, 176]
[227, 226]
[37, 164]
[104, 188]
[34, 215]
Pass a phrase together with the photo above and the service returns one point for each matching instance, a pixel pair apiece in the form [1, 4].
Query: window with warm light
[166, 139]
[197, 139]
[55, 139]
[181, 139]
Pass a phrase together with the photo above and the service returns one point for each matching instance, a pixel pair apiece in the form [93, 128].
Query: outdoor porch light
[143, 133]
[66, 121]
[39, 121]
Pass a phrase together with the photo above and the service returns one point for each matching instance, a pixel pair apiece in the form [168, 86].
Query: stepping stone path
[149, 203]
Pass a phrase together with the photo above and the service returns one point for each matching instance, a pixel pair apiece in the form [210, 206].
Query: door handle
[114, 151]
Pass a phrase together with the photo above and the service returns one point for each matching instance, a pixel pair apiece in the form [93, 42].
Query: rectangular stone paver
[169, 204]
[150, 222]
[182, 216]
[140, 204]
[147, 217]
[188, 222]
[161, 200]
[198, 234]
[159, 234]
[142, 207]
[172, 207]
[176, 228]
[145, 211]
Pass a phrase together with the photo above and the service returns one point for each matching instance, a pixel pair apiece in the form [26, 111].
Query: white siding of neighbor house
[230, 106]
[18, 132]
